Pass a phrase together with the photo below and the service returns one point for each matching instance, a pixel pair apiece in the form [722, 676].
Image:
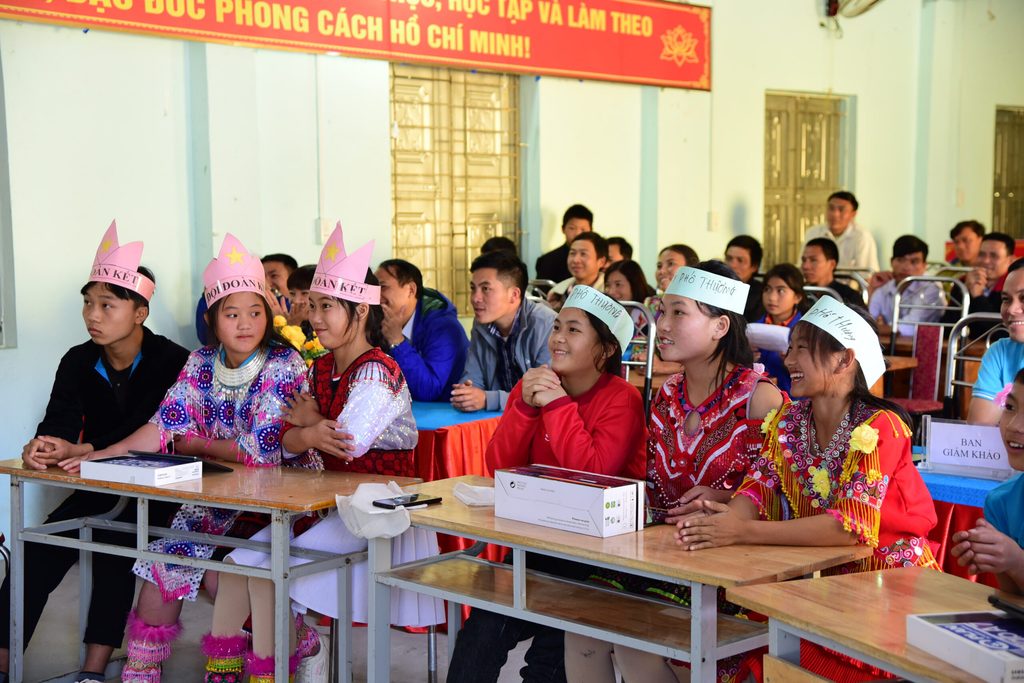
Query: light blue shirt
[1004, 508]
[883, 303]
[999, 366]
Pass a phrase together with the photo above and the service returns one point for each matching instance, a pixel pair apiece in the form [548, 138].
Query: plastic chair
[648, 361]
[962, 351]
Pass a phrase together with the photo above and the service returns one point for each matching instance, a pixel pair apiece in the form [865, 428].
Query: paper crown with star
[234, 270]
[343, 275]
[119, 265]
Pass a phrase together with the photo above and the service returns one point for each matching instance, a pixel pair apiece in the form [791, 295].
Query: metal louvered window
[803, 151]
[1008, 177]
[455, 170]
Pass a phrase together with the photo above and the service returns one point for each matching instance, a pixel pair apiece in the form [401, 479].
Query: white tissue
[365, 520]
[474, 496]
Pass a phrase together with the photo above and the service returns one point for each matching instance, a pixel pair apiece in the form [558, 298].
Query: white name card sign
[955, 447]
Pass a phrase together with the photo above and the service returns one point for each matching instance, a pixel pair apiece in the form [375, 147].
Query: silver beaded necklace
[234, 382]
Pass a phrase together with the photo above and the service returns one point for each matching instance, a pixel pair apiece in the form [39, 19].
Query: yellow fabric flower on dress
[864, 439]
[766, 424]
[821, 482]
[280, 321]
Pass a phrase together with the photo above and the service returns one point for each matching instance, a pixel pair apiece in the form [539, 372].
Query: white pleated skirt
[319, 592]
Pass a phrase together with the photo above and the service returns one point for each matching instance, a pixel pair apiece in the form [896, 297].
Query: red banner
[636, 41]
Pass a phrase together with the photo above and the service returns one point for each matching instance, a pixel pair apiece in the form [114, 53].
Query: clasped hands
[326, 436]
[43, 451]
[703, 519]
[541, 386]
[985, 549]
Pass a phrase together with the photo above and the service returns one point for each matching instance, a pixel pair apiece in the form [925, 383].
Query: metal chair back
[854, 278]
[537, 290]
[816, 292]
[647, 362]
[960, 344]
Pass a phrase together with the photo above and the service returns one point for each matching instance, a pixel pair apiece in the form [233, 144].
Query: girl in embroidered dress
[703, 434]
[835, 469]
[225, 404]
[356, 389]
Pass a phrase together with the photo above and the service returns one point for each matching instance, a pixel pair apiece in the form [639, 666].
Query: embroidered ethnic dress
[721, 450]
[200, 406]
[871, 485]
[369, 393]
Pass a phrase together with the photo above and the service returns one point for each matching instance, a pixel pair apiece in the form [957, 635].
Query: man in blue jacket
[423, 329]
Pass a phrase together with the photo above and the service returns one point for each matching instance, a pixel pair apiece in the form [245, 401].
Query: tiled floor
[54, 649]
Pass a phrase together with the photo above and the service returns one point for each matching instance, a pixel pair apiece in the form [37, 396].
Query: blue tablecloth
[952, 488]
[438, 415]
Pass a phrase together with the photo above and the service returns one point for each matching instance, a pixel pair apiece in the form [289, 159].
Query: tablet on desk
[209, 466]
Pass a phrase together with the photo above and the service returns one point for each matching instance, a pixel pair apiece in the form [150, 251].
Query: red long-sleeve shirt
[601, 431]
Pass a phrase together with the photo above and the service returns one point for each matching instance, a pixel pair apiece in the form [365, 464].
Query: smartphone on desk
[1013, 610]
[410, 499]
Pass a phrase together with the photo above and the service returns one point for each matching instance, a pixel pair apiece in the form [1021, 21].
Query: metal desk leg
[703, 633]
[519, 578]
[17, 583]
[454, 626]
[84, 587]
[282, 602]
[379, 637]
[342, 630]
[783, 644]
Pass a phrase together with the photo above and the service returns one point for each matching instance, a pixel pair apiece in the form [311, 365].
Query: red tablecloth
[953, 518]
[455, 451]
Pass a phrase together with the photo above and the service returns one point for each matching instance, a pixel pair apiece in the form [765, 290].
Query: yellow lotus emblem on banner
[679, 46]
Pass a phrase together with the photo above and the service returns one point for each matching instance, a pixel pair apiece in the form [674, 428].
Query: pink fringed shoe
[225, 657]
[148, 646]
[261, 669]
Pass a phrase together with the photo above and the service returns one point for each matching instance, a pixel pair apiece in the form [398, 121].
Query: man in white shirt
[909, 258]
[857, 248]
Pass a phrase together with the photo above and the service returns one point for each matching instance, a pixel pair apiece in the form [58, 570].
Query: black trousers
[483, 644]
[113, 584]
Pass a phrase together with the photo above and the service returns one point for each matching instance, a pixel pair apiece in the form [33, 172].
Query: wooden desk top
[653, 550]
[867, 612]
[282, 488]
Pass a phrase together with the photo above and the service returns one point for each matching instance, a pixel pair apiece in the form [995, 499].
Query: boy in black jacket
[104, 390]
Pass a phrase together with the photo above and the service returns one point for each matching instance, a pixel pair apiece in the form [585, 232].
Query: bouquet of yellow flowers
[309, 350]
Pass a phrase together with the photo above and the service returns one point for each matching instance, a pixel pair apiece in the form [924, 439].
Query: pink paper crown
[234, 270]
[119, 265]
[344, 275]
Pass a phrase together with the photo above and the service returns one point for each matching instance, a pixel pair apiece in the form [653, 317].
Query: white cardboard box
[144, 470]
[989, 645]
[582, 502]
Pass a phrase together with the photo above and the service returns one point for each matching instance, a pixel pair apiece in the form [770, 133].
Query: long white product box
[582, 502]
[144, 470]
[989, 645]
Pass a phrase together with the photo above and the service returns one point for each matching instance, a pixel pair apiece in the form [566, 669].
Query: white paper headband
[608, 310]
[852, 331]
[710, 289]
